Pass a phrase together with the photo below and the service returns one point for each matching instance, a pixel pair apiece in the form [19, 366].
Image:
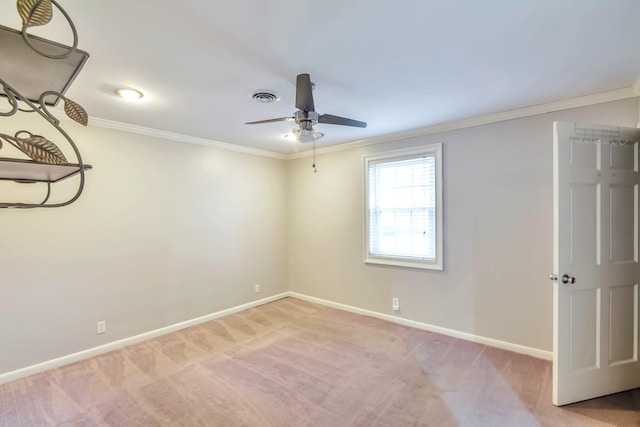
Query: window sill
[404, 262]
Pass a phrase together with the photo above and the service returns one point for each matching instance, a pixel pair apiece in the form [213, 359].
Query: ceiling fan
[306, 116]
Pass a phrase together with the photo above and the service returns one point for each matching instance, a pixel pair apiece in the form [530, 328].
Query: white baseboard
[96, 351]
[85, 354]
[517, 348]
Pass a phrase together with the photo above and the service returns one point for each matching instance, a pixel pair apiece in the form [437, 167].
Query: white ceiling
[415, 64]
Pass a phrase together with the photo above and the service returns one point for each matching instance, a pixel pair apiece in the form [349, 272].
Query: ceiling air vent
[264, 96]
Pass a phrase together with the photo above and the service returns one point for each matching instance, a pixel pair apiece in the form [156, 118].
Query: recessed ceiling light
[128, 93]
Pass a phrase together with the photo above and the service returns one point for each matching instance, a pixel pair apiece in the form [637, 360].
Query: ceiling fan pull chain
[315, 170]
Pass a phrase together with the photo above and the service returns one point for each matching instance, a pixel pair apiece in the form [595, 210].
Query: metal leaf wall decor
[48, 163]
[76, 112]
[40, 12]
[35, 12]
[41, 150]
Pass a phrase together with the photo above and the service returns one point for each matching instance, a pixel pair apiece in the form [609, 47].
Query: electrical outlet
[396, 304]
[257, 288]
[101, 327]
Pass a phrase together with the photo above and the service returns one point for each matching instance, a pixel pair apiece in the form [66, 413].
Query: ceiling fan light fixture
[129, 93]
[303, 135]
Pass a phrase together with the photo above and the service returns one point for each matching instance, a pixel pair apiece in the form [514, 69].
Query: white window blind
[403, 208]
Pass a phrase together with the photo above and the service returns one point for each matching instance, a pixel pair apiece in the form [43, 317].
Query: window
[403, 202]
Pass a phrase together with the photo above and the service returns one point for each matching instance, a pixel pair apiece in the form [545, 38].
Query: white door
[595, 260]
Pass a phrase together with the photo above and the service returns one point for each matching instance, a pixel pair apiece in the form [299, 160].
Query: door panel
[596, 334]
[623, 324]
[623, 209]
[585, 324]
[584, 224]
[585, 155]
[622, 157]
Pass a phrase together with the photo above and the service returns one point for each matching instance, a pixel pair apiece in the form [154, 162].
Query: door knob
[565, 278]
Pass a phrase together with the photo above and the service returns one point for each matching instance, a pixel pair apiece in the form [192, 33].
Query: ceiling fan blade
[337, 120]
[281, 119]
[304, 97]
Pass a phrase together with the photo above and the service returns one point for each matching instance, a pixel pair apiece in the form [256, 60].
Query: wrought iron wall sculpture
[47, 163]
[40, 12]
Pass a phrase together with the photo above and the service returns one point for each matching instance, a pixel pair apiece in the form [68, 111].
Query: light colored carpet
[292, 363]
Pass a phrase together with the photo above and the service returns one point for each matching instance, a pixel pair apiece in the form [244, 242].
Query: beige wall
[165, 232]
[498, 230]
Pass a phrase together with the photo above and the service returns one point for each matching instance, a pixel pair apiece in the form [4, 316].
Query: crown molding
[141, 130]
[636, 86]
[566, 104]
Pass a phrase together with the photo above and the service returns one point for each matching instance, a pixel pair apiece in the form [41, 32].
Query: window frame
[404, 261]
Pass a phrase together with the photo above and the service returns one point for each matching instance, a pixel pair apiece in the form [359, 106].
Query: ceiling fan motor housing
[306, 119]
